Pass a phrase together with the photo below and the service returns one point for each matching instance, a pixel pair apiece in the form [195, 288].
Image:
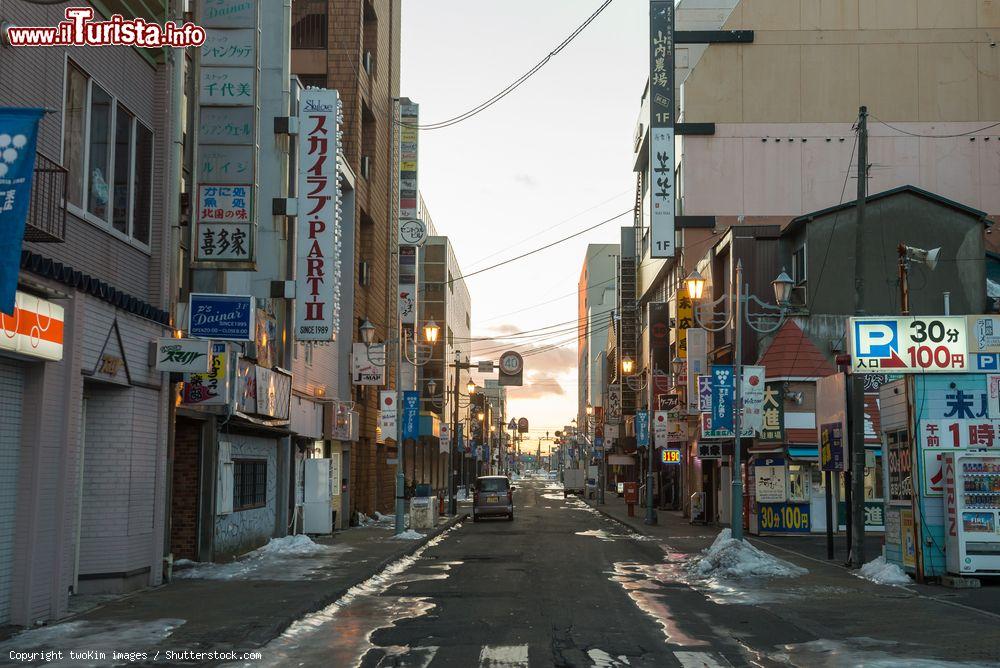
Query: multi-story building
[767, 127]
[444, 299]
[358, 55]
[84, 419]
[597, 298]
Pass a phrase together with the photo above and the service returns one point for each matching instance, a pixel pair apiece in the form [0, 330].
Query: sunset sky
[550, 159]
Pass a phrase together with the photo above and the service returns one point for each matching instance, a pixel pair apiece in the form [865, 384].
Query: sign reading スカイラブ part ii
[318, 222]
[925, 344]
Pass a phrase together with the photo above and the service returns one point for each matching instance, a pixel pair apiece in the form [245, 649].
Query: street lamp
[431, 332]
[628, 364]
[367, 332]
[470, 387]
[741, 299]
[695, 285]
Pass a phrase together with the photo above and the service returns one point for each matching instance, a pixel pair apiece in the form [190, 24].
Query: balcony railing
[309, 24]
[47, 210]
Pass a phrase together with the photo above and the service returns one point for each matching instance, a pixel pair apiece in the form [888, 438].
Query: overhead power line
[923, 136]
[537, 250]
[482, 106]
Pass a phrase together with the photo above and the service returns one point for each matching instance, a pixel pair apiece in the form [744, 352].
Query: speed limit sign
[511, 368]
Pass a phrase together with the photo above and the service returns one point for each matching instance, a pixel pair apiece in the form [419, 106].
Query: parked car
[553, 475]
[492, 496]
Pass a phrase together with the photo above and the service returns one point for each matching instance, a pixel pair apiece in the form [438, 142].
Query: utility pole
[736, 502]
[855, 395]
[452, 447]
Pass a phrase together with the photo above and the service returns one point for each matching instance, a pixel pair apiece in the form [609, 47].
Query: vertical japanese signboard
[661, 128]
[659, 347]
[318, 221]
[723, 395]
[408, 285]
[224, 209]
[409, 117]
[685, 320]
[697, 364]
[772, 428]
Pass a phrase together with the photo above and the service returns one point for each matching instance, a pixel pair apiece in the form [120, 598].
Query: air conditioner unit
[366, 166]
[799, 295]
[364, 273]
[369, 62]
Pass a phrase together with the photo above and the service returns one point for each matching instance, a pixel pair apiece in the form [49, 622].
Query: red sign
[631, 493]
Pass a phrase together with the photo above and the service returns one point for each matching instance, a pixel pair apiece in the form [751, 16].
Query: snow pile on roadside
[298, 545]
[882, 572]
[286, 558]
[409, 534]
[730, 558]
[462, 494]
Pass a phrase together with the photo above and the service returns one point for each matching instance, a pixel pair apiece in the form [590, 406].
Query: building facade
[84, 441]
[353, 46]
[597, 299]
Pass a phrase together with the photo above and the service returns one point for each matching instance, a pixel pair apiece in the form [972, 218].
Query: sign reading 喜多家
[318, 220]
[225, 317]
[935, 344]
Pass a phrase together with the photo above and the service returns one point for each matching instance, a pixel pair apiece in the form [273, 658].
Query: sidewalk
[831, 603]
[236, 606]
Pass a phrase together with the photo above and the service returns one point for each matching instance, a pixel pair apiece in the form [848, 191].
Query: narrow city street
[564, 585]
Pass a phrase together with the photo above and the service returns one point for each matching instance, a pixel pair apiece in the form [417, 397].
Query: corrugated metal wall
[11, 391]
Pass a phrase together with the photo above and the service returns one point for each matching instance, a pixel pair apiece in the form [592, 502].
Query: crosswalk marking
[698, 660]
[504, 656]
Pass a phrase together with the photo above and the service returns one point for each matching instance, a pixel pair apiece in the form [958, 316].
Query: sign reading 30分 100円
[937, 344]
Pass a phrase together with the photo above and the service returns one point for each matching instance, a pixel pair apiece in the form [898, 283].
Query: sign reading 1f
[661, 129]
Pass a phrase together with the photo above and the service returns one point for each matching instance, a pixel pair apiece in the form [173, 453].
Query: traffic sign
[936, 344]
[512, 424]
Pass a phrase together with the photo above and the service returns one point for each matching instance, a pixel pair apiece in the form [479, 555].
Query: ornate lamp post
[402, 337]
[741, 299]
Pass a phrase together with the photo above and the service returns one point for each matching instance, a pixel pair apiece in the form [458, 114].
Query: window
[874, 480]
[798, 482]
[109, 155]
[249, 483]
[799, 265]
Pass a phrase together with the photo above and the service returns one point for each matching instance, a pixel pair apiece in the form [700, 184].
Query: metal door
[317, 516]
[11, 391]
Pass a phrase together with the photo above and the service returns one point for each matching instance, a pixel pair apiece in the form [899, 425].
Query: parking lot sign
[934, 344]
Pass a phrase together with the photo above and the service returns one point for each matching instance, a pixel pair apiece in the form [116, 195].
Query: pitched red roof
[793, 355]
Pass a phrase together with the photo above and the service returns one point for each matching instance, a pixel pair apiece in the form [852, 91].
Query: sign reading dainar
[661, 128]
[318, 244]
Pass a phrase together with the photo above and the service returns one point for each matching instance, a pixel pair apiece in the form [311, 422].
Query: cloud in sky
[536, 386]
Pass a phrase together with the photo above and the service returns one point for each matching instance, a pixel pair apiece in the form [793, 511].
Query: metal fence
[47, 211]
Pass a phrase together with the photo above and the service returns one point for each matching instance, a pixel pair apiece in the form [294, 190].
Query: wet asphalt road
[561, 585]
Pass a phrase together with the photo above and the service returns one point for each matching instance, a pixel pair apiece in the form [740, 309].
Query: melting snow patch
[409, 534]
[602, 659]
[730, 558]
[882, 572]
[81, 636]
[286, 558]
[298, 545]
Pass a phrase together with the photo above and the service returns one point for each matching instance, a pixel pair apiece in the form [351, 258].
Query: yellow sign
[685, 319]
[909, 538]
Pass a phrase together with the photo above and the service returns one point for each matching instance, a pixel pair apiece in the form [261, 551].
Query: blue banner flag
[18, 133]
[723, 391]
[642, 428]
[411, 414]
[461, 438]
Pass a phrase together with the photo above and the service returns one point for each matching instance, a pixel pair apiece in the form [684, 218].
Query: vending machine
[972, 512]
